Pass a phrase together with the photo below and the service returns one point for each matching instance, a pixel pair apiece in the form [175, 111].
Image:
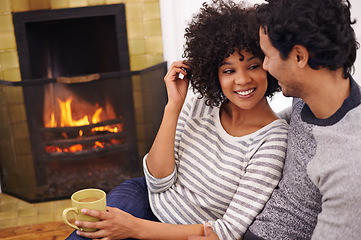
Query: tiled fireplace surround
[145, 50]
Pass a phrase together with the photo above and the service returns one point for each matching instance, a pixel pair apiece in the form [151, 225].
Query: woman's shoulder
[280, 124]
[277, 127]
[196, 106]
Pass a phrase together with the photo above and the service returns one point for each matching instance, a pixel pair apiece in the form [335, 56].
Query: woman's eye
[254, 66]
[228, 71]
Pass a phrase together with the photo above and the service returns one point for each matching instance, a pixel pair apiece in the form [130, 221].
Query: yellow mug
[87, 198]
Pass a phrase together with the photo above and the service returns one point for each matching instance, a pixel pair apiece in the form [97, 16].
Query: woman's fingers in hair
[177, 67]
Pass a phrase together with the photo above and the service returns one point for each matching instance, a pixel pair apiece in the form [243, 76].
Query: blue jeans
[130, 196]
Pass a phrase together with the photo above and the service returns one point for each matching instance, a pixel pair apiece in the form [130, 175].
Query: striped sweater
[218, 178]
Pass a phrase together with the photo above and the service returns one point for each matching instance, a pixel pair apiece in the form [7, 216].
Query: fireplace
[86, 111]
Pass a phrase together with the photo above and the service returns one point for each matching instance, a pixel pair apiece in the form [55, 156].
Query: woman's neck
[239, 122]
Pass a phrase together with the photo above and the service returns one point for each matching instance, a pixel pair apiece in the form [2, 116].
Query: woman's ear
[301, 55]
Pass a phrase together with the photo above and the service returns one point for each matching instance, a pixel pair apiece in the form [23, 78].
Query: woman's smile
[246, 93]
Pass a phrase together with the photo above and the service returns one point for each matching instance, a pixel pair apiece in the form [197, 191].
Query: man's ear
[301, 55]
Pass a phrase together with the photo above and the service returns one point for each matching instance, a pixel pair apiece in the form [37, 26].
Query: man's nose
[265, 64]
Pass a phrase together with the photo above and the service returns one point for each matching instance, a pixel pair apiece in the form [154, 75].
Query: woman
[218, 155]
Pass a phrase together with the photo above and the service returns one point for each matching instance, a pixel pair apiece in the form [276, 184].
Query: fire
[65, 118]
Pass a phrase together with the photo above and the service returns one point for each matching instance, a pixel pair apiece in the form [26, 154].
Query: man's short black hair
[323, 27]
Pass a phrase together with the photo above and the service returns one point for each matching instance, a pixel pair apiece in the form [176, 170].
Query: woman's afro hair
[214, 33]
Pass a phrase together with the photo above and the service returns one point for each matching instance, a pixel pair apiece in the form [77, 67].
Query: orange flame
[66, 119]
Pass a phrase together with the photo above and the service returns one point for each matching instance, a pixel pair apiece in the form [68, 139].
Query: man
[310, 48]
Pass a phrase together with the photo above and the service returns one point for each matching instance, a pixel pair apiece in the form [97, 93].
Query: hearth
[85, 109]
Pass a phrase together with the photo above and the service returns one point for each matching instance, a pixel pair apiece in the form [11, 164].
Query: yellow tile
[152, 10]
[24, 205]
[114, 1]
[23, 221]
[136, 46]
[58, 216]
[9, 207]
[27, 212]
[9, 59]
[96, 2]
[138, 101]
[25, 163]
[22, 146]
[63, 203]
[39, 4]
[133, 1]
[154, 44]
[14, 95]
[134, 11]
[138, 62]
[139, 116]
[153, 59]
[153, 28]
[46, 211]
[17, 113]
[8, 215]
[78, 3]
[136, 82]
[20, 130]
[45, 218]
[5, 6]
[7, 223]
[12, 74]
[45, 207]
[5, 198]
[46, 204]
[7, 40]
[54, 4]
[135, 29]
[20, 5]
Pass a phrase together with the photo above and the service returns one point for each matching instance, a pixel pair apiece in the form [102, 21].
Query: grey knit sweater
[319, 195]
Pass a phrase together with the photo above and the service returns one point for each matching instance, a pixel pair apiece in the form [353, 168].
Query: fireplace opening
[73, 41]
[90, 118]
[80, 46]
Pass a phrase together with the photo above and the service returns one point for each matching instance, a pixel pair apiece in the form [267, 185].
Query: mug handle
[65, 220]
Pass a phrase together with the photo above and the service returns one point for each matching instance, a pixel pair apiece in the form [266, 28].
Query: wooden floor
[45, 231]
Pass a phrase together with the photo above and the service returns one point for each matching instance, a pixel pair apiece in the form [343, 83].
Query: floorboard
[45, 231]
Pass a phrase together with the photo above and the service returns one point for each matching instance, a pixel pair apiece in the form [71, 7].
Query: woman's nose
[243, 78]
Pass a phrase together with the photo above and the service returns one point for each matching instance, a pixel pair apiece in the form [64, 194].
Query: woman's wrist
[173, 107]
[137, 228]
[145, 229]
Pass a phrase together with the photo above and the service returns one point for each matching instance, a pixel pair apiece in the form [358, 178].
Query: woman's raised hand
[177, 87]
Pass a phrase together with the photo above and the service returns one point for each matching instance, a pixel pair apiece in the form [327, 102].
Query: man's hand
[208, 232]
